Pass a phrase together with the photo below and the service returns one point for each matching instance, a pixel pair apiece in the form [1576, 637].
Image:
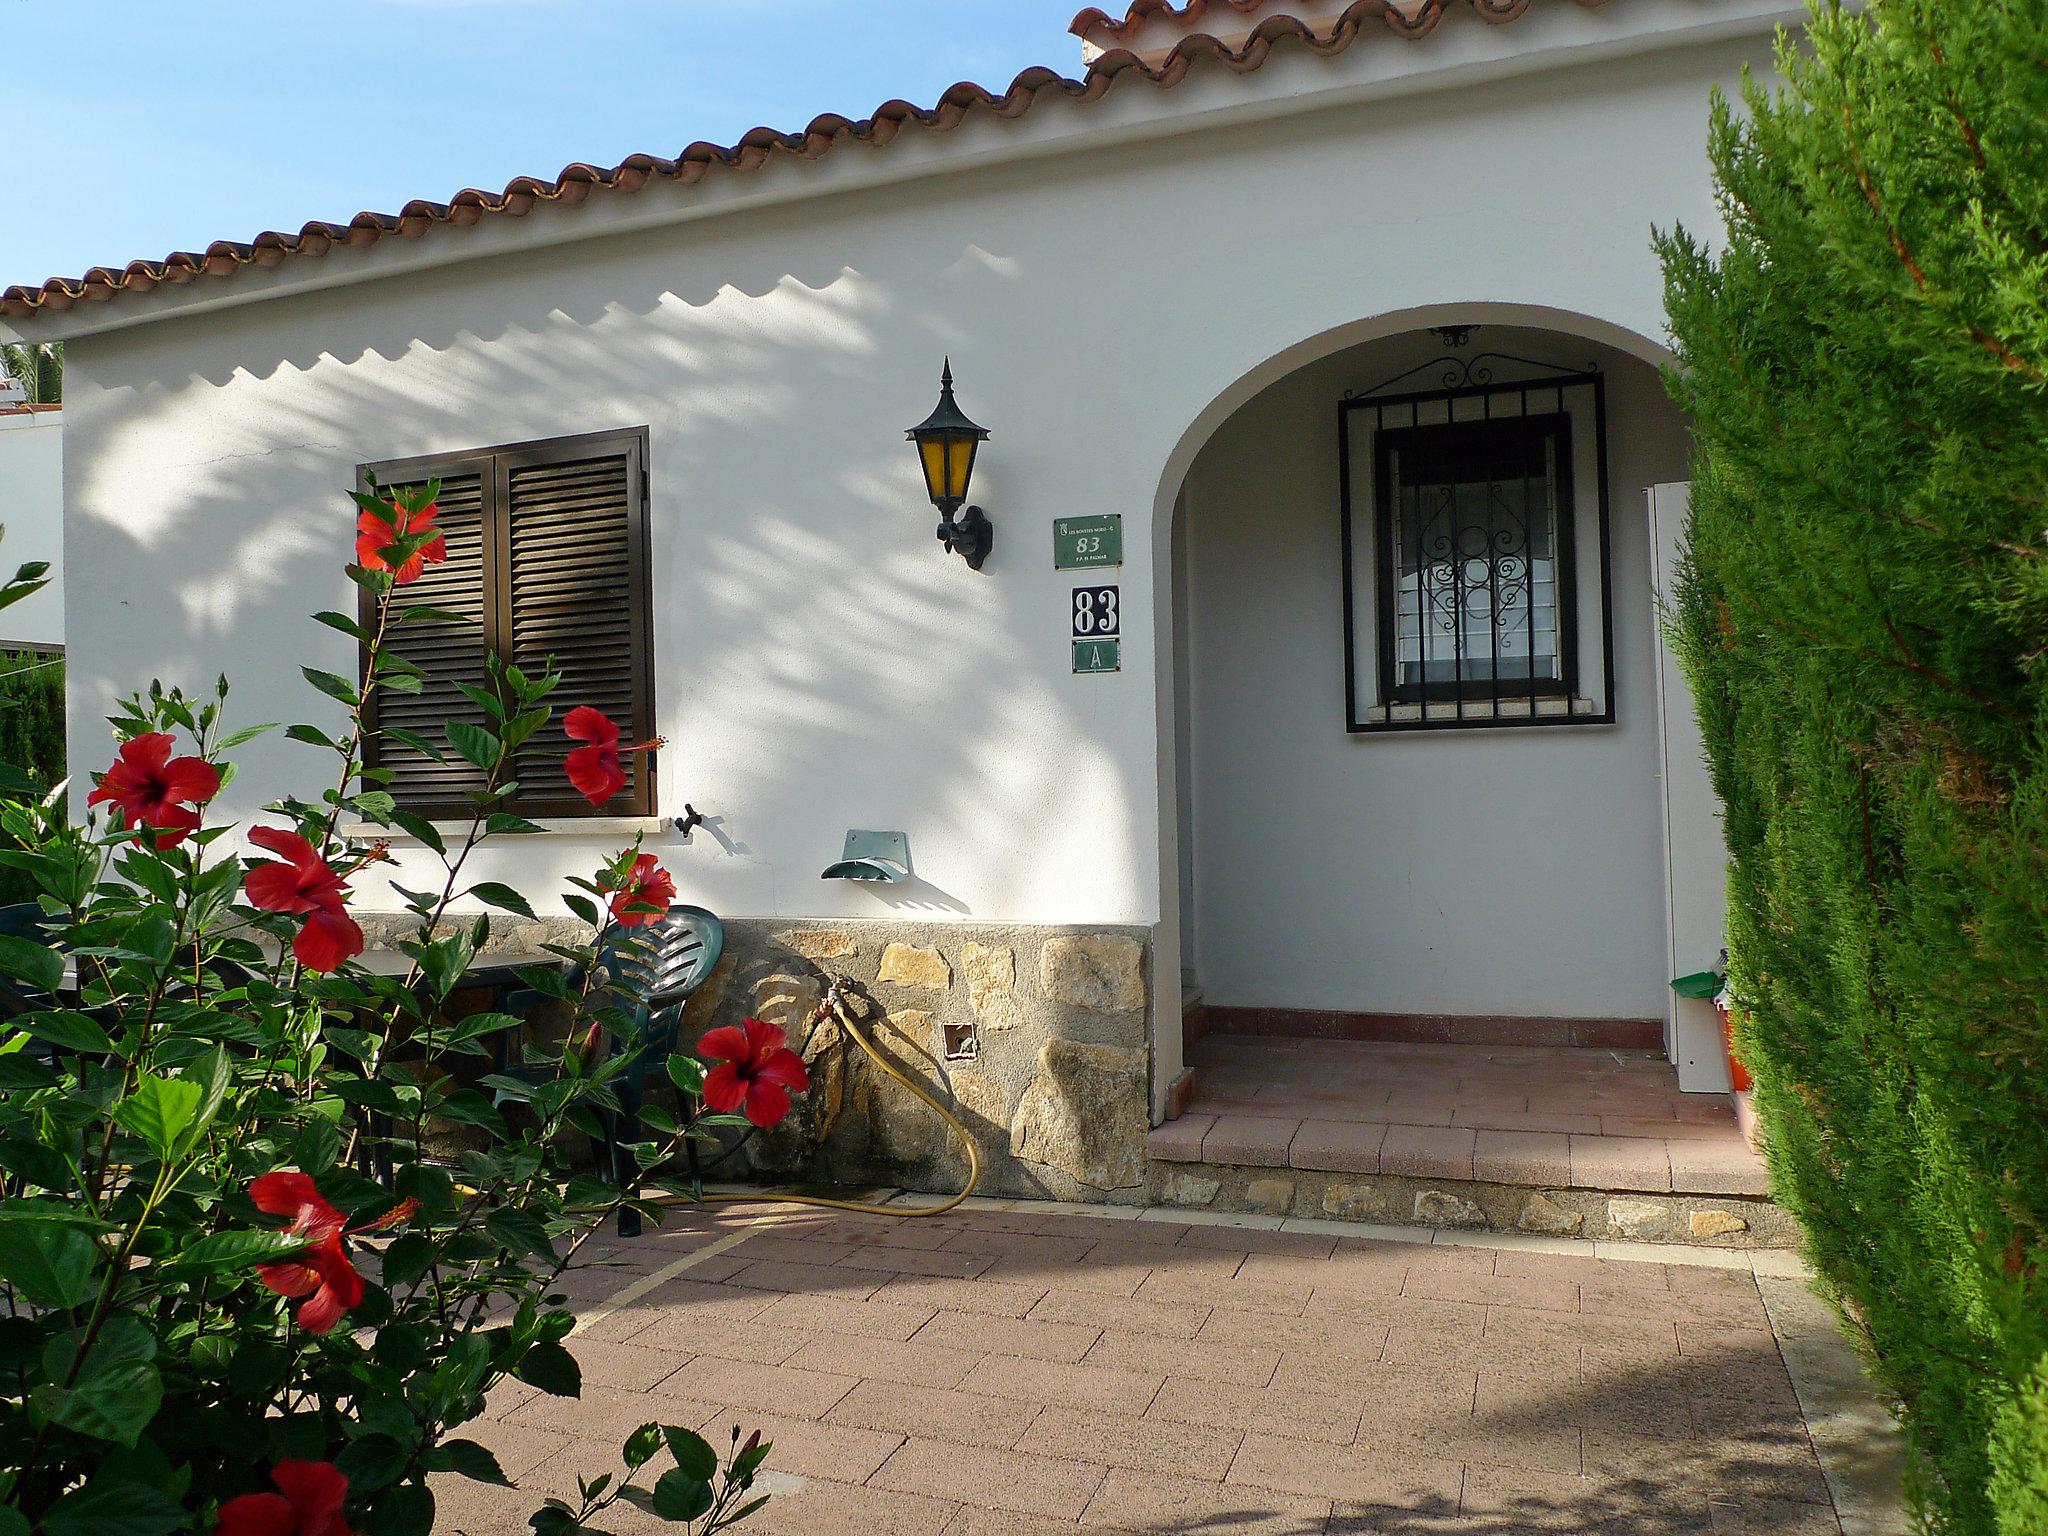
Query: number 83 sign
[1098, 627]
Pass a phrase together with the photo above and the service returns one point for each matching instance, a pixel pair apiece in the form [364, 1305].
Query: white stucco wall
[1513, 871]
[32, 511]
[820, 664]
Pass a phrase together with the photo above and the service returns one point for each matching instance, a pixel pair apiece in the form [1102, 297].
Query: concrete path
[1022, 1369]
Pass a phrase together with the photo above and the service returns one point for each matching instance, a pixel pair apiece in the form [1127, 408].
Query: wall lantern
[946, 441]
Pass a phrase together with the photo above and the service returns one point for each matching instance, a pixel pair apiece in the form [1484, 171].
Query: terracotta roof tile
[758, 148]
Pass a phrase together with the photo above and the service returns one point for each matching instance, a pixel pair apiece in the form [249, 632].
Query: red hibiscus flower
[150, 788]
[377, 532]
[321, 1272]
[309, 1505]
[648, 887]
[595, 770]
[754, 1068]
[303, 883]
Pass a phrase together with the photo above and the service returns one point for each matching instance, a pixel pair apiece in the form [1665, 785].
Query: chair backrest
[22, 920]
[659, 964]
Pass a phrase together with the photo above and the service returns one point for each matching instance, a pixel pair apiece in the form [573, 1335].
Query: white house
[1333, 328]
[32, 512]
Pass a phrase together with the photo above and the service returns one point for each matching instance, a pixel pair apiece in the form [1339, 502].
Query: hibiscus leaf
[160, 1110]
[679, 1496]
[104, 1507]
[423, 613]
[551, 1368]
[473, 1461]
[26, 960]
[342, 622]
[583, 907]
[693, 1453]
[67, 1031]
[238, 1250]
[50, 1264]
[503, 897]
[334, 687]
[247, 733]
[474, 742]
[483, 698]
[416, 741]
[521, 1231]
[115, 1402]
[371, 1462]
[687, 1073]
[402, 682]
[314, 737]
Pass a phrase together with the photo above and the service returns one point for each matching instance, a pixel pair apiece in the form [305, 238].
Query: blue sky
[133, 129]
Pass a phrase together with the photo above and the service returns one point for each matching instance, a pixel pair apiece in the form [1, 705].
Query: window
[547, 557]
[1475, 576]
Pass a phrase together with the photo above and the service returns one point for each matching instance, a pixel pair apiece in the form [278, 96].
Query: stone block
[1354, 1202]
[1644, 1220]
[1271, 1196]
[990, 972]
[818, 943]
[1102, 972]
[1085, 1114]
[1540, 1213]
[907, 965]
[1711, 1224]
[1190, 1189]
[1441, 1208]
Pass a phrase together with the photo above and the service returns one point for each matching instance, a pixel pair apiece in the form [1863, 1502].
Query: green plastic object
[876, 856]
[1704, 985]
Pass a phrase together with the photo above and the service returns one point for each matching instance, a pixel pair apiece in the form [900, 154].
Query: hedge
[31, 734]
[1864, 614]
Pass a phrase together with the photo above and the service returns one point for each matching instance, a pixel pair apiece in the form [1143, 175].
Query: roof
[1109, 70]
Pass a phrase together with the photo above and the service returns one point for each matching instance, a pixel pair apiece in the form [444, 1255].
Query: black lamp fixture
[946, 442]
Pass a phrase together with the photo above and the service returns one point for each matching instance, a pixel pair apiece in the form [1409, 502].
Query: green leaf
[413, 824]
[342, 622]
[407, 1510]
[642, 1445]
[371, 1462]
[26, 960]
[318, 1146]
[312, 736]
[473, 742]
[693, 1453]
[339, 688]
[12, 1521]
[503, 897]
[248, 733]
[686, 1072]
[417, 742]
[678, 1496]
[115, 1403]
[68, 1031]
[523, 1232]
[110, 1508]
[551, 1368]
[160, 1111]
[554, 1518]
[238, 1250]
[505, 821]
[49, 1264]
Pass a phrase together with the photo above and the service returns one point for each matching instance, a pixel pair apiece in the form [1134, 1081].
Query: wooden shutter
[444, 651]
[576, 534]
[547, 558]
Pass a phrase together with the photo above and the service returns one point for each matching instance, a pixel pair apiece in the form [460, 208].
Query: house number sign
[1083, 543]
[1098, 627]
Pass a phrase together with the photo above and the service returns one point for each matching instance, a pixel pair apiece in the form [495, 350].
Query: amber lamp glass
[946, 444]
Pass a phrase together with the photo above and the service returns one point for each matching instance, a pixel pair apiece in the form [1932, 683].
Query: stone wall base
[1707, 1221]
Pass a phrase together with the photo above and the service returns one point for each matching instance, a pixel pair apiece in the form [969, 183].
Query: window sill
[557, 826]
[1482, 714]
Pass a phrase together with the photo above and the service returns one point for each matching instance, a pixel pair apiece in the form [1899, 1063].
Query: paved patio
[1023, 1369]
[1544, 1115]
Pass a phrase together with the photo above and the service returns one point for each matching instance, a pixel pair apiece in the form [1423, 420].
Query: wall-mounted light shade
[872, 856]
[946, 443]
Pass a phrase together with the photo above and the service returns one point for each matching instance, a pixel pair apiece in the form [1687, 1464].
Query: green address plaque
[1098, 655]
[1084, 543]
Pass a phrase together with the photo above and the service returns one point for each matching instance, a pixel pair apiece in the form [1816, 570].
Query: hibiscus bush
[241, 1298]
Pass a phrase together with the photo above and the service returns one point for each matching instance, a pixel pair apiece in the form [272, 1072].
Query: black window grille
[1464, 555]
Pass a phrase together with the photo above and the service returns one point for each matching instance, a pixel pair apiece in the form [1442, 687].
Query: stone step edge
[1714, 1221]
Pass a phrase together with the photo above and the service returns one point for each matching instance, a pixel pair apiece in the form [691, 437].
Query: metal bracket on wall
[872, 856]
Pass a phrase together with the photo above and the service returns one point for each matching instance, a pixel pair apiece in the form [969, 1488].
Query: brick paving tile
[1717, 1168]
[1539, 1122]
[878, 1318]
[1435, 1515]
[1179, 1141]
[1361, 1473]
[806, 1449]
[1434, 1256]
[917, 1365]
[1771, 1517]
[1102, 1388]
[761, 1388]
[1200, 1290]
[679, 1306]
[1137, 1253]
[792, 1249]
[930, 1413]
[1523, 1422]
[1522, 1157]
[519, 1447]
[602, 1413]
[1517, 1498]
[1120, 1313]
[1031, 1485]
[940, 1263]
[1005, 1522]
[1493, 1290]
[1147, 1501]
[1338, 1276]
[1621, 1162]
[466, 1508]
[633, 1367]
[897, 1231]
[1307, 1413]
[1316, 1335]
[821, 1508]
[1221, 1405]
[1149, 1445]
[1103, 1279]
[1044, 1247]
[1248, 1240]
[1713, 1343]
[1587, 1271]
[1446, 1320]
[729, 1341]
[1250, 1140]
[810, 1279]
[1204, 1359]
[987, 1296]
[1009, 1336]
[507, 1395]
[1103, 1229]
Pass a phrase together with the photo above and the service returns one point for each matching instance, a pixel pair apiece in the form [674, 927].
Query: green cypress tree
[1865, 619]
